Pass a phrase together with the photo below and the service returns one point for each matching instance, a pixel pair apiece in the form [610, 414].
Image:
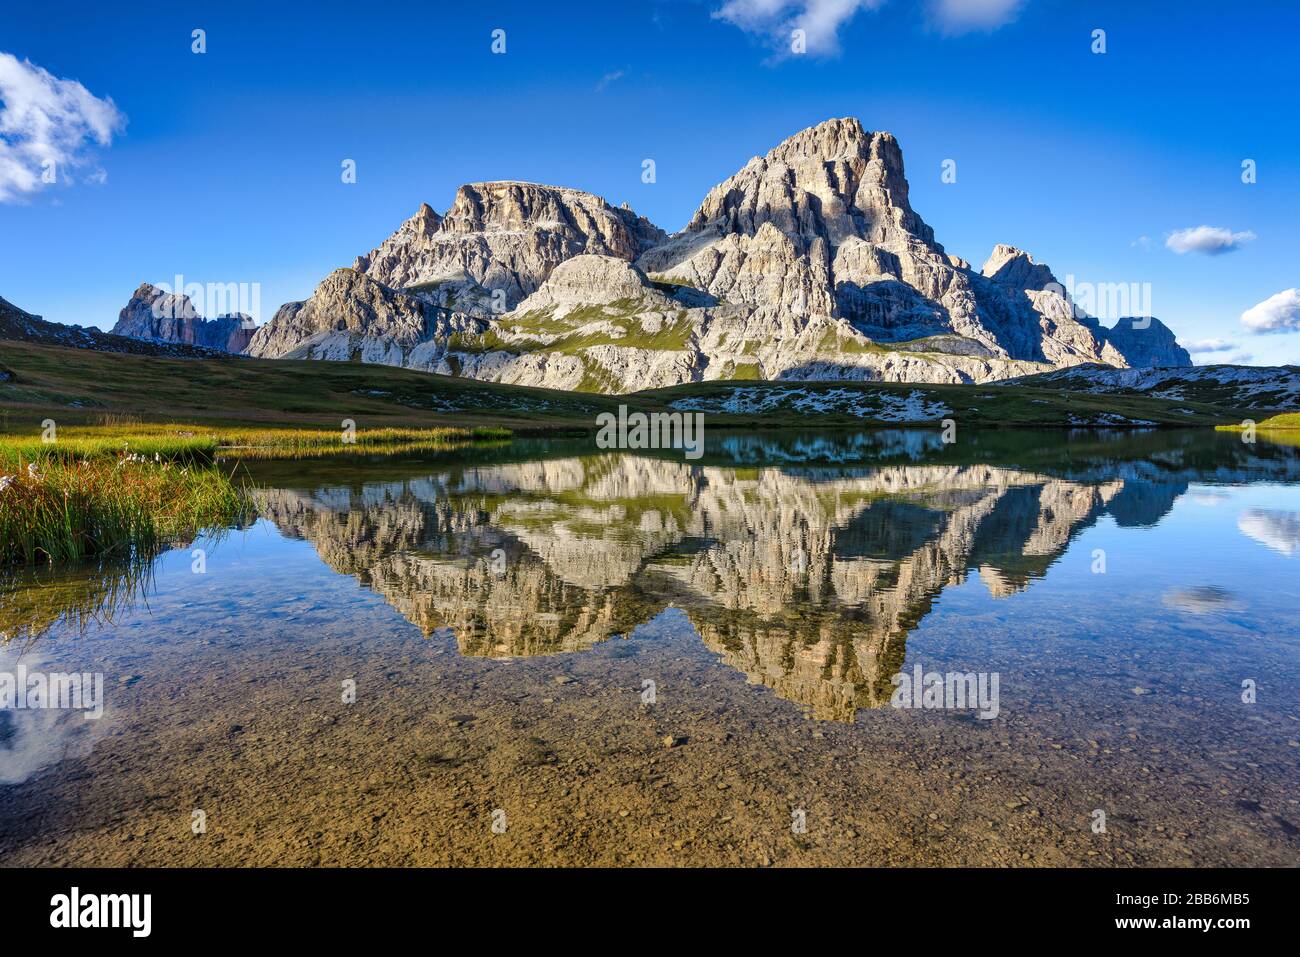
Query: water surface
[634, 658]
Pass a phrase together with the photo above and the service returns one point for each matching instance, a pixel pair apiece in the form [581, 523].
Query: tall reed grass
[58, 506]
[119, 489]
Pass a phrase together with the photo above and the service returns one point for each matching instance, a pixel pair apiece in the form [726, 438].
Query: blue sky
[225, 166]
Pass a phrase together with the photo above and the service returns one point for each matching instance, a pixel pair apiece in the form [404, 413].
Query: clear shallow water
[502, 611]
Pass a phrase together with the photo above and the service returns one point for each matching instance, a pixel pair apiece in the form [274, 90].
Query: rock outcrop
[808, 263]
[1146, 343]
[170, 317]
[351, 317]
[15, 324]
[505, 236]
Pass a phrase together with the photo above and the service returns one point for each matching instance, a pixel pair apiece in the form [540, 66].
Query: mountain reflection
[807, 579]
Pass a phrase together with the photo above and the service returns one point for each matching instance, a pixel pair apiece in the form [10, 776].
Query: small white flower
[6, 481]
[34, 475]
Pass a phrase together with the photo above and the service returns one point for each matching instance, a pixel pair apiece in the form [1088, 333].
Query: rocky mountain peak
[838, 194]
[168, 305]
[833, 180]
[808, 263]
[171, 317]
[1147, 342]
[507, 236]
[1014, 267]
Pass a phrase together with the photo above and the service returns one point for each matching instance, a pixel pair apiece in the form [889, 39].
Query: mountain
[808, 263]
[171, 317]
[506, 236]
[23, 326]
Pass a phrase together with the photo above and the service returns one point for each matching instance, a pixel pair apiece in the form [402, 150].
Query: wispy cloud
[612, 77]
[965, 16]
[1277, 313]
[1211, 345]
[1277, 529]
[1211, 240]
[47, 126]
[821, 20]
[777, 20]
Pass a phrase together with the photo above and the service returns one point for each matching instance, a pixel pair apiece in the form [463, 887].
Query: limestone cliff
[171, 317]
[808, 263]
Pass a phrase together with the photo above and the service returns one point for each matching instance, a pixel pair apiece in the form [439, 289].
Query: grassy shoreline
[1284, 428]
[122, 491]
[65, 509]
[79, 387]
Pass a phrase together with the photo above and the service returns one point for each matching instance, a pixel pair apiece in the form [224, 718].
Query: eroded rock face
[350, 316]
[808, 263]
[1147, 342]
[507, 236]
[590, 280]
[1012, 267]
[23, 326]
[171, 317]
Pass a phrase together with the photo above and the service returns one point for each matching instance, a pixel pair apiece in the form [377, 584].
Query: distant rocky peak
[1014, 267]
[511, 206]
[418, 230]
[159, 303]
[160, 316]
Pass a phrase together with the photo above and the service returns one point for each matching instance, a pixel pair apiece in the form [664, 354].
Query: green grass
[61, 508]
[1283, 429]
[301, 443]
[983, 406]
[566, 335]
[1283, 422]
[118, 491]
[832, 342]
[79, 387]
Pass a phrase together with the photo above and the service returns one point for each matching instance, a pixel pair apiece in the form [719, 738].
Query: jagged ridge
[808, 263]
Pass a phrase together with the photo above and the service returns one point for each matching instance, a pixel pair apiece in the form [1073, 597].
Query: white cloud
[1212, 240]
[45, 120]
[1201, 599]
[603, 83]
[1277, 313]
[1277, 529]
[1142, 242]
[1210, 345]
[821, 19]
[777, 19]
[964, 16]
